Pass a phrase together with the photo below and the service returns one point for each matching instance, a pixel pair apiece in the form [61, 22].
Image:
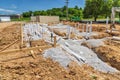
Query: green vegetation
[22, 19]
[94, 9]
[97, 8]
[75, 19]
[73, 12]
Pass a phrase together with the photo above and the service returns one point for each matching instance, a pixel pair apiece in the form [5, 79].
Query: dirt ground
[9, 34]
[22, 66]
[98, 28]
[45, 69]
[110, 53]
[59, 32]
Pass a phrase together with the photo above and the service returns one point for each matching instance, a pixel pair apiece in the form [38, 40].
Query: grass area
[27, 19]
[101, 19]
[22, 19]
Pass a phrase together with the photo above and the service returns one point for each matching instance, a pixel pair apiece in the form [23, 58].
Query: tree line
[96, 8]
[93, 9]
[76, 11]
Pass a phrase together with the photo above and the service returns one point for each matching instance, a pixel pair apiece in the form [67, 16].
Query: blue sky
[19, 6]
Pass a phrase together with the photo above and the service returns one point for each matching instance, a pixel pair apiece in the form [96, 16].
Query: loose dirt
[46, 69]
[110, 53]
[22, 66]
[9, 34]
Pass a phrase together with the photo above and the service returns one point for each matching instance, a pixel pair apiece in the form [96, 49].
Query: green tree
[93, 8]
[73, 12]
[96, 8]
[76, 7]
[27, 14]
[36, 13]
[116, 3]
[107, 6]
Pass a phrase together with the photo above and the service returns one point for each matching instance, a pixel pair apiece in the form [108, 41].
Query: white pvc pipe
[90, 27]
[107, 23]
[80, 58]
[68, 32]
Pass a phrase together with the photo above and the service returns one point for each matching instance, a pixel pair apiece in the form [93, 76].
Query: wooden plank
[25, 49]
[116, 38]
[118, 42]
[10, 45]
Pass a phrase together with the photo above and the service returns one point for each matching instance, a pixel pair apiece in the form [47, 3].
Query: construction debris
[116, 38]
[32, 54]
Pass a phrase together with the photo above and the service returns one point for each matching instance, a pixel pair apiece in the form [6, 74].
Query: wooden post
[83, 27]
[98, 28]
[87, 27]
[21, 35]
[54, 41]
[32, 54]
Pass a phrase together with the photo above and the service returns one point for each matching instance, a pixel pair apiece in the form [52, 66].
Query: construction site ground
[97, 58]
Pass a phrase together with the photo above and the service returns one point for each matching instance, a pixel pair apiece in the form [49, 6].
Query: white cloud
[6, 10]
[14, 6]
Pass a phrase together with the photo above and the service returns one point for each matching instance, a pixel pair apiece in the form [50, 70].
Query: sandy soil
[9, 34]
[99, 28]
[45, 69]
[22, 66]
[110, 53]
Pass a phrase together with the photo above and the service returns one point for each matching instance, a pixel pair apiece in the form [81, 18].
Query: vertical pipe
[90, 27]
[42, 32]
[86, 31]
[68, 32]
[74, 31]
[107, 23]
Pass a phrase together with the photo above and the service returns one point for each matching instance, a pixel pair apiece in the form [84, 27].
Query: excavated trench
[110, 53]
[107, 52]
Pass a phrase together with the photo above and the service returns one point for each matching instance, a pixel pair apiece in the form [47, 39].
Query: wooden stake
[40, 50]
[21, 35]
[25, 49]
[54, 41]
[33, 54]
[10, 45]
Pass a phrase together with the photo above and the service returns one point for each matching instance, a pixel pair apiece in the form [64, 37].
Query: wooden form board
[25, 49]
[21, 34]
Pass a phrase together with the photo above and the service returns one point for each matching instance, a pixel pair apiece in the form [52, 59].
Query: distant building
[45, 19]
[4, 18]
[15, 16]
